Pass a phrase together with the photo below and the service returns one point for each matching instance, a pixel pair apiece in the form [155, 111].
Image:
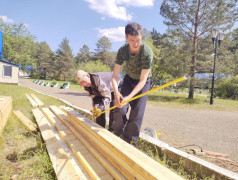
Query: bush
[94, 66]
[228, 88]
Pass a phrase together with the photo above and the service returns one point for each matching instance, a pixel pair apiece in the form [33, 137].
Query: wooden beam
[92, 166]
[32, 101]
[5, 110]
[37, 100]
[110, 168]
[111, 156]
[27, 122]
[62, 162]
[137, 163]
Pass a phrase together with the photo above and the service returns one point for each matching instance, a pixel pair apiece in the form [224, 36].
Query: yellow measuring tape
[148, 92]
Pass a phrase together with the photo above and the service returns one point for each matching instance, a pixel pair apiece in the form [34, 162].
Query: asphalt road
[215, 131]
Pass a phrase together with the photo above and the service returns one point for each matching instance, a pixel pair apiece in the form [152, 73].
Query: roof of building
[9, 63]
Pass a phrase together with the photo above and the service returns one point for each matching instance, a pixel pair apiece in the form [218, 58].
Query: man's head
[133, 29]
[82, 78]
[133, 33]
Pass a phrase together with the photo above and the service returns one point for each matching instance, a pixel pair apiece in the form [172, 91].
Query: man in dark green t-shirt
[139, 59]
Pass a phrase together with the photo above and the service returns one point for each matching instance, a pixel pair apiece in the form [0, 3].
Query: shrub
[228, 88]
[94, 66]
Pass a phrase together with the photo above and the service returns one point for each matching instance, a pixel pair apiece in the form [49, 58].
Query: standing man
[139, 59]
[98, 86]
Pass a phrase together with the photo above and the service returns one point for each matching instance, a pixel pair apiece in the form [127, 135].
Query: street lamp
[216, 37]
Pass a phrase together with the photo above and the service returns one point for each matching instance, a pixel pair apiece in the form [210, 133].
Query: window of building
[7, 71]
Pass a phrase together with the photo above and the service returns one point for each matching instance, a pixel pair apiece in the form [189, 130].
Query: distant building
[8, 72]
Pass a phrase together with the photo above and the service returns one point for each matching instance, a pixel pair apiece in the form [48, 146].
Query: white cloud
[6, 19]
[137, 3]
[116, 8]
[109, 8]
[113, 34]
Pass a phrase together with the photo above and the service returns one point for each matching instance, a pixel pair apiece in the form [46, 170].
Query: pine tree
[193, 20]
[63, 61]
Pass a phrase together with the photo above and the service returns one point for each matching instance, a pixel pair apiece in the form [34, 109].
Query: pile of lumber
[81, 149]
[34, 100]
[5, 109]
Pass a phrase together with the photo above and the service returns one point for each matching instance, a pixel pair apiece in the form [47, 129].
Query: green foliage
[228, 88]
[17, 43]
[44, 56]
[103, 53]
[94, 66]
[64, 61]
[192, 21]
[83, 55]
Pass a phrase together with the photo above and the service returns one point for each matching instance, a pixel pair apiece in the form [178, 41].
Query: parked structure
[8, 71]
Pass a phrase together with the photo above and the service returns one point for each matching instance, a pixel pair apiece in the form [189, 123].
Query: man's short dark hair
[133, 29]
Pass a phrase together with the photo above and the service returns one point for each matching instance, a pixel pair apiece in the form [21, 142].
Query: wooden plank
[5, 110]
[92, 166]
[62, 162]
[27, 122]
[110, 168]
[133, 159]
[37, 100]
[111, 156]
[32, 101]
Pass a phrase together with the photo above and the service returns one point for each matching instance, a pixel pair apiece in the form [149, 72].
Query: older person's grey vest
[106, 77]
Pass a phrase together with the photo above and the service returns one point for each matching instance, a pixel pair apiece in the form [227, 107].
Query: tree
[193, 20]
[63, 62]
[44, 56]
[103, 50]
[169, 60]
[83, 54]
[17, 43]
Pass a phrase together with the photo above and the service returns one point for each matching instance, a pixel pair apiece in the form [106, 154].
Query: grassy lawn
[202, 102]
[23, 154]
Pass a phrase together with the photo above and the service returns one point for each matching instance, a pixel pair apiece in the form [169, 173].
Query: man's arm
[143, 77]
[117, 94]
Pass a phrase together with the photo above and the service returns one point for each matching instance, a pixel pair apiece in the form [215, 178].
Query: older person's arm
[115, 77]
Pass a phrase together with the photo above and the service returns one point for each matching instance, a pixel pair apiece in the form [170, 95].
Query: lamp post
[216, 38]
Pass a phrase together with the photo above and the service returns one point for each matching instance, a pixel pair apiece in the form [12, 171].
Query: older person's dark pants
[101, 120]
[130, 128]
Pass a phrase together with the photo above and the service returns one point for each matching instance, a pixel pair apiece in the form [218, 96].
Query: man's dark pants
[130, 128]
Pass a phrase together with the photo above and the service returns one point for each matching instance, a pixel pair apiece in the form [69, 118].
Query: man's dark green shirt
[135, 63]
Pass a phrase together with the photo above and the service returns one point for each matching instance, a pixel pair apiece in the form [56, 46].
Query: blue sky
[81, 21]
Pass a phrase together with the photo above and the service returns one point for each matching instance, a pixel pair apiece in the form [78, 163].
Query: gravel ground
[215, 131]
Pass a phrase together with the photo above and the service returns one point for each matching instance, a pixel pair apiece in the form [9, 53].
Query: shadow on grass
[182, 100]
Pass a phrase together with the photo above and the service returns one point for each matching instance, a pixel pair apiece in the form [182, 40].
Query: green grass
[23, 154]
[176, 100]
[178, 167]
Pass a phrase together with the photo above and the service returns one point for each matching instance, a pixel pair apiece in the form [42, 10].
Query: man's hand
[123, 100]
[96, 112]
[118, 98]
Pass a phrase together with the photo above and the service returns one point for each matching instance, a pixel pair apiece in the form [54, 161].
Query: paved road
[212, 130]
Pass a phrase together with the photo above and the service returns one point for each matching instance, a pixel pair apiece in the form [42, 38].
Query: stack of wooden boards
[81, 149]
[34, 100]
[5, 109]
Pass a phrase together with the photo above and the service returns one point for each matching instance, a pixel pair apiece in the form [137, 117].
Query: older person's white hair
[80, 75]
